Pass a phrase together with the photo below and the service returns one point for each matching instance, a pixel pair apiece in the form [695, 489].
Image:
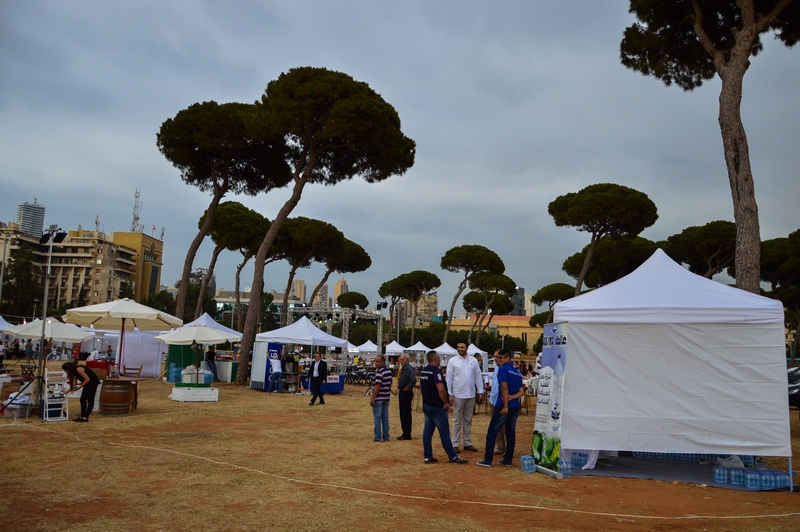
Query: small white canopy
[352, 348]
[199, 334]
[368, 347]
[394, 348]
[122, 314]
[474, 350]
[208, 321]
[59, 332]
[445, 349]
[419, 346]
[301, 332]
[664, 360]
[4, 324]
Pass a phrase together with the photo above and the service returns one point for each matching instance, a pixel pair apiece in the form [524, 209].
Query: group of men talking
[459, 391]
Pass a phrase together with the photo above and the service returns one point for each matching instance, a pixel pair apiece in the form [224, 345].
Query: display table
[227, 369]
[100, 365]
[334, 384]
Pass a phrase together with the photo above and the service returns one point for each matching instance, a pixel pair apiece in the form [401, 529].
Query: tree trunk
[319, 286]
[201, 297]
[462, 285]
[237, 297]
[183, 288]
[479, 326]
[285, 307]
[413, 319]
[740, 175]
[253, 309]
[472, 324]
[586, 263]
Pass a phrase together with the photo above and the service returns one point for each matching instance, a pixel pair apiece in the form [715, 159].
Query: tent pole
[119, 350]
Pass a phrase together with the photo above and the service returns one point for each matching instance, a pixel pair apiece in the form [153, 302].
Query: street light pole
[53, 232]
[3, 266]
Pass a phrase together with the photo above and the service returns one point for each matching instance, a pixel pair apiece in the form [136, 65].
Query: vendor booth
[367, 351]
[666, 361]
[301, 332]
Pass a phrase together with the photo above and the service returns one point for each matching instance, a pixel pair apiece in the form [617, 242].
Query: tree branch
[717, 55]
[764, 23]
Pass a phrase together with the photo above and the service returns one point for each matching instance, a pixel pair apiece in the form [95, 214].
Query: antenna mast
[136, 227]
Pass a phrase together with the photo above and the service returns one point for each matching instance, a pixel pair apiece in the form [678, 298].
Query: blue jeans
[436, 418]
[498, 422]
[276, 382]
[380, 413]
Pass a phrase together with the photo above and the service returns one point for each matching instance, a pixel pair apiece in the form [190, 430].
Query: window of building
[525, 338]
[95, 293]
[99, 261]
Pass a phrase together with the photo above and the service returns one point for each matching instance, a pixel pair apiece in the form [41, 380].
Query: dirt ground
[257, 461]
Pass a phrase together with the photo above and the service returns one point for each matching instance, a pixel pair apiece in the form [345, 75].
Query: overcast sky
[511, 104]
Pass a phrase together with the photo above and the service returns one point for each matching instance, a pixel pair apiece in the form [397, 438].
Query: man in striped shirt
[381, 393]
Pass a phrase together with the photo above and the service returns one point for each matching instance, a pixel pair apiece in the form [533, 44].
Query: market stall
[301, 332]
[666, 361]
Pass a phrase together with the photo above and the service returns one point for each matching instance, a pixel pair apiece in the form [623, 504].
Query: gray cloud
[511, 105]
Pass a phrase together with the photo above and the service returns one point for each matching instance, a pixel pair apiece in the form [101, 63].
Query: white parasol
[123, 315]
[60, 332]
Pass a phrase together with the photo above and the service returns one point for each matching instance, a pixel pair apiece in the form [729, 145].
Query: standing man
[381, 393]
[435, 406]
[499, 360]
[505, 410]
[276, 377]
[463, 380]
[317, 374]
[405, 393]
[211, 362]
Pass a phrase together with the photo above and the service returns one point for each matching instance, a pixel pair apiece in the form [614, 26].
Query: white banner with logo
[546, 448]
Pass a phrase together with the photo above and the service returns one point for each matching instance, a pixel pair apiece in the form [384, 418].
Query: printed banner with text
[546, 448]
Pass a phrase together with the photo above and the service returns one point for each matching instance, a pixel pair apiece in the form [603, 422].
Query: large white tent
[664, 360]
[301, 332]
[394, 348]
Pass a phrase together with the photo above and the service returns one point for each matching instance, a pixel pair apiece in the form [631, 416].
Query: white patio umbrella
[123, 315]
[200, 334]
[60, 332]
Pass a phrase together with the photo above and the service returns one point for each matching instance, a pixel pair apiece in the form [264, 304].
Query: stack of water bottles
[751, 478]
[579, 460]
[527, 465]
[174, 373]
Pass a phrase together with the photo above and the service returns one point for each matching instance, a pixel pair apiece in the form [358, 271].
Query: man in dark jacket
[317, 376]
[405, 394]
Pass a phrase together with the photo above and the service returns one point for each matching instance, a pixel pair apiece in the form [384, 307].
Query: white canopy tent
[4, 324]
[301, 332]
[664, 360]
[368, 347]
[394, 349]
[475, 350]
[419, 346]
[352, 348]
[207, 321]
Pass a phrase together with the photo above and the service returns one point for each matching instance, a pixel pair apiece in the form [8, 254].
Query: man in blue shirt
[505, 409]
[435, 405]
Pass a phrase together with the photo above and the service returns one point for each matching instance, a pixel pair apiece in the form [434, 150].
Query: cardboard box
[8, 389]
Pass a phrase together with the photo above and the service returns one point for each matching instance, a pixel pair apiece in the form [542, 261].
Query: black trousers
[87, 399]
[316, 390]
[405, 400]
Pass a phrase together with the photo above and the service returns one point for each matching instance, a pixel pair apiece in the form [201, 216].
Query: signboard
[546, 448]
[333, 378]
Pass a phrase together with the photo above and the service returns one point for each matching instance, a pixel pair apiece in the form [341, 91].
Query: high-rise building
[30, 217]
[299, 290]
[339, 289]
[519, 302]
[427, 307]
[321, 299]
[149, 256]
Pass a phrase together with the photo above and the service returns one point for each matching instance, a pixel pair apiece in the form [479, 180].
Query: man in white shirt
[463, 380]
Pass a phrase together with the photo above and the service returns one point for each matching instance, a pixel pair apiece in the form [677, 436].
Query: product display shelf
[55, 406]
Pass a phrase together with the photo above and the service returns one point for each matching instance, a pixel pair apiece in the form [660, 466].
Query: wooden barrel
[116, 397]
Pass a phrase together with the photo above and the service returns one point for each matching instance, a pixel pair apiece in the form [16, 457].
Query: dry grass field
[257, 461]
